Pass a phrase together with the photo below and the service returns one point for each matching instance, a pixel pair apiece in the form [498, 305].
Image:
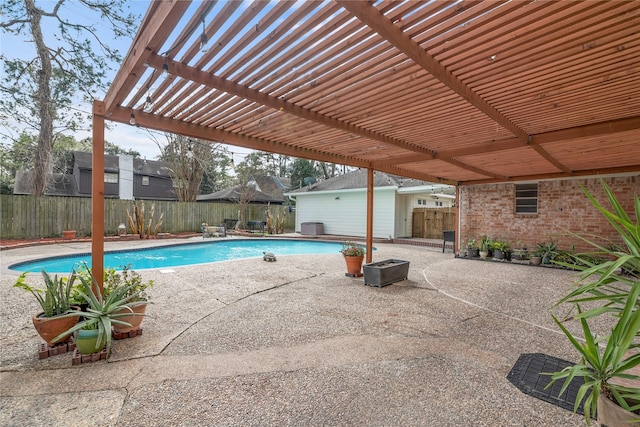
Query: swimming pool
[183, 254]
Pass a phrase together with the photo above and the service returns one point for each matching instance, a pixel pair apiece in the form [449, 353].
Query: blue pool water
[183, 254]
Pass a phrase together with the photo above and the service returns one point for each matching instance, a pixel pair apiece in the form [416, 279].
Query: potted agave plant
[55, 300]
[354, 255]
[608, 363]
[136, 290]
[103, 313]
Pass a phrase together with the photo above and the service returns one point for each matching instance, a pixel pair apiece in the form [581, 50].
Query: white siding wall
[348, 214]
[404, 218]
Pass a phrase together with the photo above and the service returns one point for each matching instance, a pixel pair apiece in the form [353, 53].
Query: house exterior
[530, 212]
[235, 194]
[340, 204]
[261, 189]
[124, 178]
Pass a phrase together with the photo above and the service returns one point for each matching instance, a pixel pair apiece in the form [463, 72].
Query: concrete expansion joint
[466, 319]
[230, 304]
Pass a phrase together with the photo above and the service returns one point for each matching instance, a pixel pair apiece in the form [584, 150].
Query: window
[111, 177]
[527, 198]
[438, 203]
[145, 180]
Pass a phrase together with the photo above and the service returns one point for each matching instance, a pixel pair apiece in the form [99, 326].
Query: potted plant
[547, 251]
[104, 311]
[55, 301]
[472, 249]
[501, 249]
[607, 361]
[520, 253]
[354, 255]
[485, 246]
[136, 289]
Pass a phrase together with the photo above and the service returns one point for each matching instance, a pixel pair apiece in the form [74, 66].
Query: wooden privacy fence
[429, 223]
[28, 217]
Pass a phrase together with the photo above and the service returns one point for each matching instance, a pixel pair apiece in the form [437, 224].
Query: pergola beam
[207, 79]
[537, 177]
[596, 129]
[373, 18]
[157, 25]
[165, 124]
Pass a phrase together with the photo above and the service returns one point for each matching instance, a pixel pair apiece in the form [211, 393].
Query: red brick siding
[562, 208]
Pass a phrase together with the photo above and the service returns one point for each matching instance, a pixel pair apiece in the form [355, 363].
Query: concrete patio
[295, 342]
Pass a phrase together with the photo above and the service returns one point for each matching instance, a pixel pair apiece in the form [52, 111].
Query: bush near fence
[29, 217]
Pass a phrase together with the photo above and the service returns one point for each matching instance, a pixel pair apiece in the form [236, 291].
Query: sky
[123, 135]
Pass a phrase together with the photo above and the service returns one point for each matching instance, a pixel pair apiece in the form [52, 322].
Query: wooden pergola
[453, 92]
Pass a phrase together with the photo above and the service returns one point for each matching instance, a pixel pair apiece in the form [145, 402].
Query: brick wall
[562, 208]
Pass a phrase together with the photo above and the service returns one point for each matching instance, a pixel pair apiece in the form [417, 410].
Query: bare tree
[38, 92]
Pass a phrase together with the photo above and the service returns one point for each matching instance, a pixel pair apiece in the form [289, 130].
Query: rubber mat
[527, 375]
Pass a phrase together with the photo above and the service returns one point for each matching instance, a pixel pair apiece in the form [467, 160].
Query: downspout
[97, 195]
[456, 214]
[295, 221]
[369, 242]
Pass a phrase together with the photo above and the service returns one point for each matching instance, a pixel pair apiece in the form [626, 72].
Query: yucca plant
[613, 268]
[601, 367]
[609, 287]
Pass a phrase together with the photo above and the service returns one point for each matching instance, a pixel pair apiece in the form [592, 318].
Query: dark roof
[151, 167]
[358, 179]
[112, 164]
[82, 160]
[272, 185]
[232, 194]
[58, 184]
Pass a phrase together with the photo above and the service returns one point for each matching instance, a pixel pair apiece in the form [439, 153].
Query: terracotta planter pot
[612, 415]
[135, 321]
[50, 327]
[354, 264]
[69, 234]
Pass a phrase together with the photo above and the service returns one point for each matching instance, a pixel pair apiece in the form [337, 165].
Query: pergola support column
[97, 195]
[369, 242]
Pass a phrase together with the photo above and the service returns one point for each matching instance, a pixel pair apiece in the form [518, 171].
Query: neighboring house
[340, 203]
[234, 195]
[124, 178]
[259, 190]
[272, 185]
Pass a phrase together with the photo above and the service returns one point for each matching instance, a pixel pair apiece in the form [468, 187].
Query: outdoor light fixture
[203, 38]
[148, 104]
[132, 119]
[165, 70]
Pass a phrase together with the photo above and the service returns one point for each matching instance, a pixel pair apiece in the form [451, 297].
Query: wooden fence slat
[29, 217]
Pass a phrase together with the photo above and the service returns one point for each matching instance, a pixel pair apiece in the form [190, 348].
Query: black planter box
[385, 272]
